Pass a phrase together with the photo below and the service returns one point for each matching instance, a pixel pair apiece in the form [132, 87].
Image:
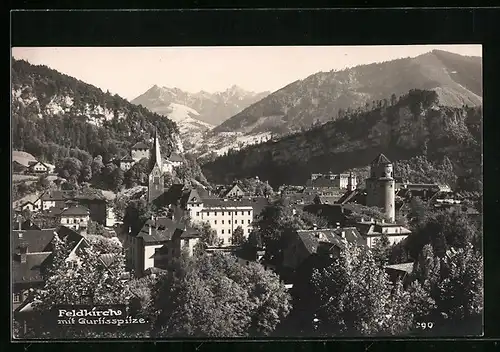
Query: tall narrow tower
[156, 182]
[380, 186]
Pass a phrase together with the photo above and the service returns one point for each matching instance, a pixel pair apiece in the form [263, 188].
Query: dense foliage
[214, 296]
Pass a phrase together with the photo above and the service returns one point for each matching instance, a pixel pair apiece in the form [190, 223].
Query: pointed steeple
[155, 153]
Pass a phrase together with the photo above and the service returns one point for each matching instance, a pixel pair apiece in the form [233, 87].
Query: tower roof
[155, 158]
[381, 159]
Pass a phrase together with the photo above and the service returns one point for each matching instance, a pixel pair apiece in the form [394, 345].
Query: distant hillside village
[179, 220]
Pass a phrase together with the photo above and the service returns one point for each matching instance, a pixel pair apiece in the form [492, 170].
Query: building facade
[75, 218]
[380, 187]
[139, 151]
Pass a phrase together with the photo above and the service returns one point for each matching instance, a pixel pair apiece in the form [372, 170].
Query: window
[249, 212]
[222, 213]
[222, 231]
[229, 221]
[229, 231]
[242, 222]
[156, 180]
[249, 221]
[215, 222]
[222, 222]
[197, 213]
[17, 297]
[248, 262]
[248, 230]
[208, 213]
[242, 213]
[215, 213]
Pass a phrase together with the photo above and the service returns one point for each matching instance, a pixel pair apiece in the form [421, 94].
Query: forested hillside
[55, 116]
[415, 124]
[330, 95]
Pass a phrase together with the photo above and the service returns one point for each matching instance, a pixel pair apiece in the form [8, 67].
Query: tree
[208, 235]
[97, 166]
[355, 297]
[238, 237]
[357, 212]
[137, 175]
[95, 228]
[88, 280]
[215, 296]
[382, 250]
[274, 225]
[69, 169]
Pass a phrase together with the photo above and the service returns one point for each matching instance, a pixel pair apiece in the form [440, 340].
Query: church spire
[155, 153]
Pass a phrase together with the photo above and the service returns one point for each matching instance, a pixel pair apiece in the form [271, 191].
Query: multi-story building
[372, 231]
[75, 218]
[158, 243]
[139, 151]
[38, 167]
[125, 163]
[342, 181]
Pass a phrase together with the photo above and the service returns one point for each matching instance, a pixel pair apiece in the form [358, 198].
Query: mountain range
[212, 108]
[325, 96]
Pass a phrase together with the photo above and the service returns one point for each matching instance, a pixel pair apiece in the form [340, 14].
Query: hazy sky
[130, 71]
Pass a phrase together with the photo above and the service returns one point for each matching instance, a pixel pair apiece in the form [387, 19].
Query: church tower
[380, 187]
[156, 182]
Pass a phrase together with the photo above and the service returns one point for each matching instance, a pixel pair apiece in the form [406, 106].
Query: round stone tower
[380, 186]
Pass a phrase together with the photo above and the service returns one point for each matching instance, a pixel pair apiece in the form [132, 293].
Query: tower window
[157, 180]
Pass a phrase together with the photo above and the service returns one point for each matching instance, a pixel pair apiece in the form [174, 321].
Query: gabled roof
[37, 240]
[126, 159]
[39, 254]
[175, 158]
[162, 230]
[54, 195]
[75, 211]
[380, 159]
[140, 146]
[311, 239]
[405, 267]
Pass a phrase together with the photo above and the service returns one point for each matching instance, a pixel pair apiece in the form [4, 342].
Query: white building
[75, 218]
[372, 231]
[158, 242]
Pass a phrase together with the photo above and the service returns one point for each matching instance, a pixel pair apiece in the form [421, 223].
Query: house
[38, 167]
[53, 199]
[342, 181]
[75, 218]
[333, 213]
[372, 231]
[247, 255]
[158, 242]
[91, 199]
[139, 151]
[28, 206]
[326, 241]
[31, 256]
[175, 159]
[125, 162]
[235, 190]
[222, 214]
[357, 196]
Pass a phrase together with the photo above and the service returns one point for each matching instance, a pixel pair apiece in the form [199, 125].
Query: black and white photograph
[225, 192]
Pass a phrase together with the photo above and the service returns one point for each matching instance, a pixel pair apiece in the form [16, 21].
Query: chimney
[150, 226]
[315, 227]
[19, 223]
[342, 234]
[338, 225]
[372, 220]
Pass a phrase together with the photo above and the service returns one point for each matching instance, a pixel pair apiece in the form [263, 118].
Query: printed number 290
[425, 325]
